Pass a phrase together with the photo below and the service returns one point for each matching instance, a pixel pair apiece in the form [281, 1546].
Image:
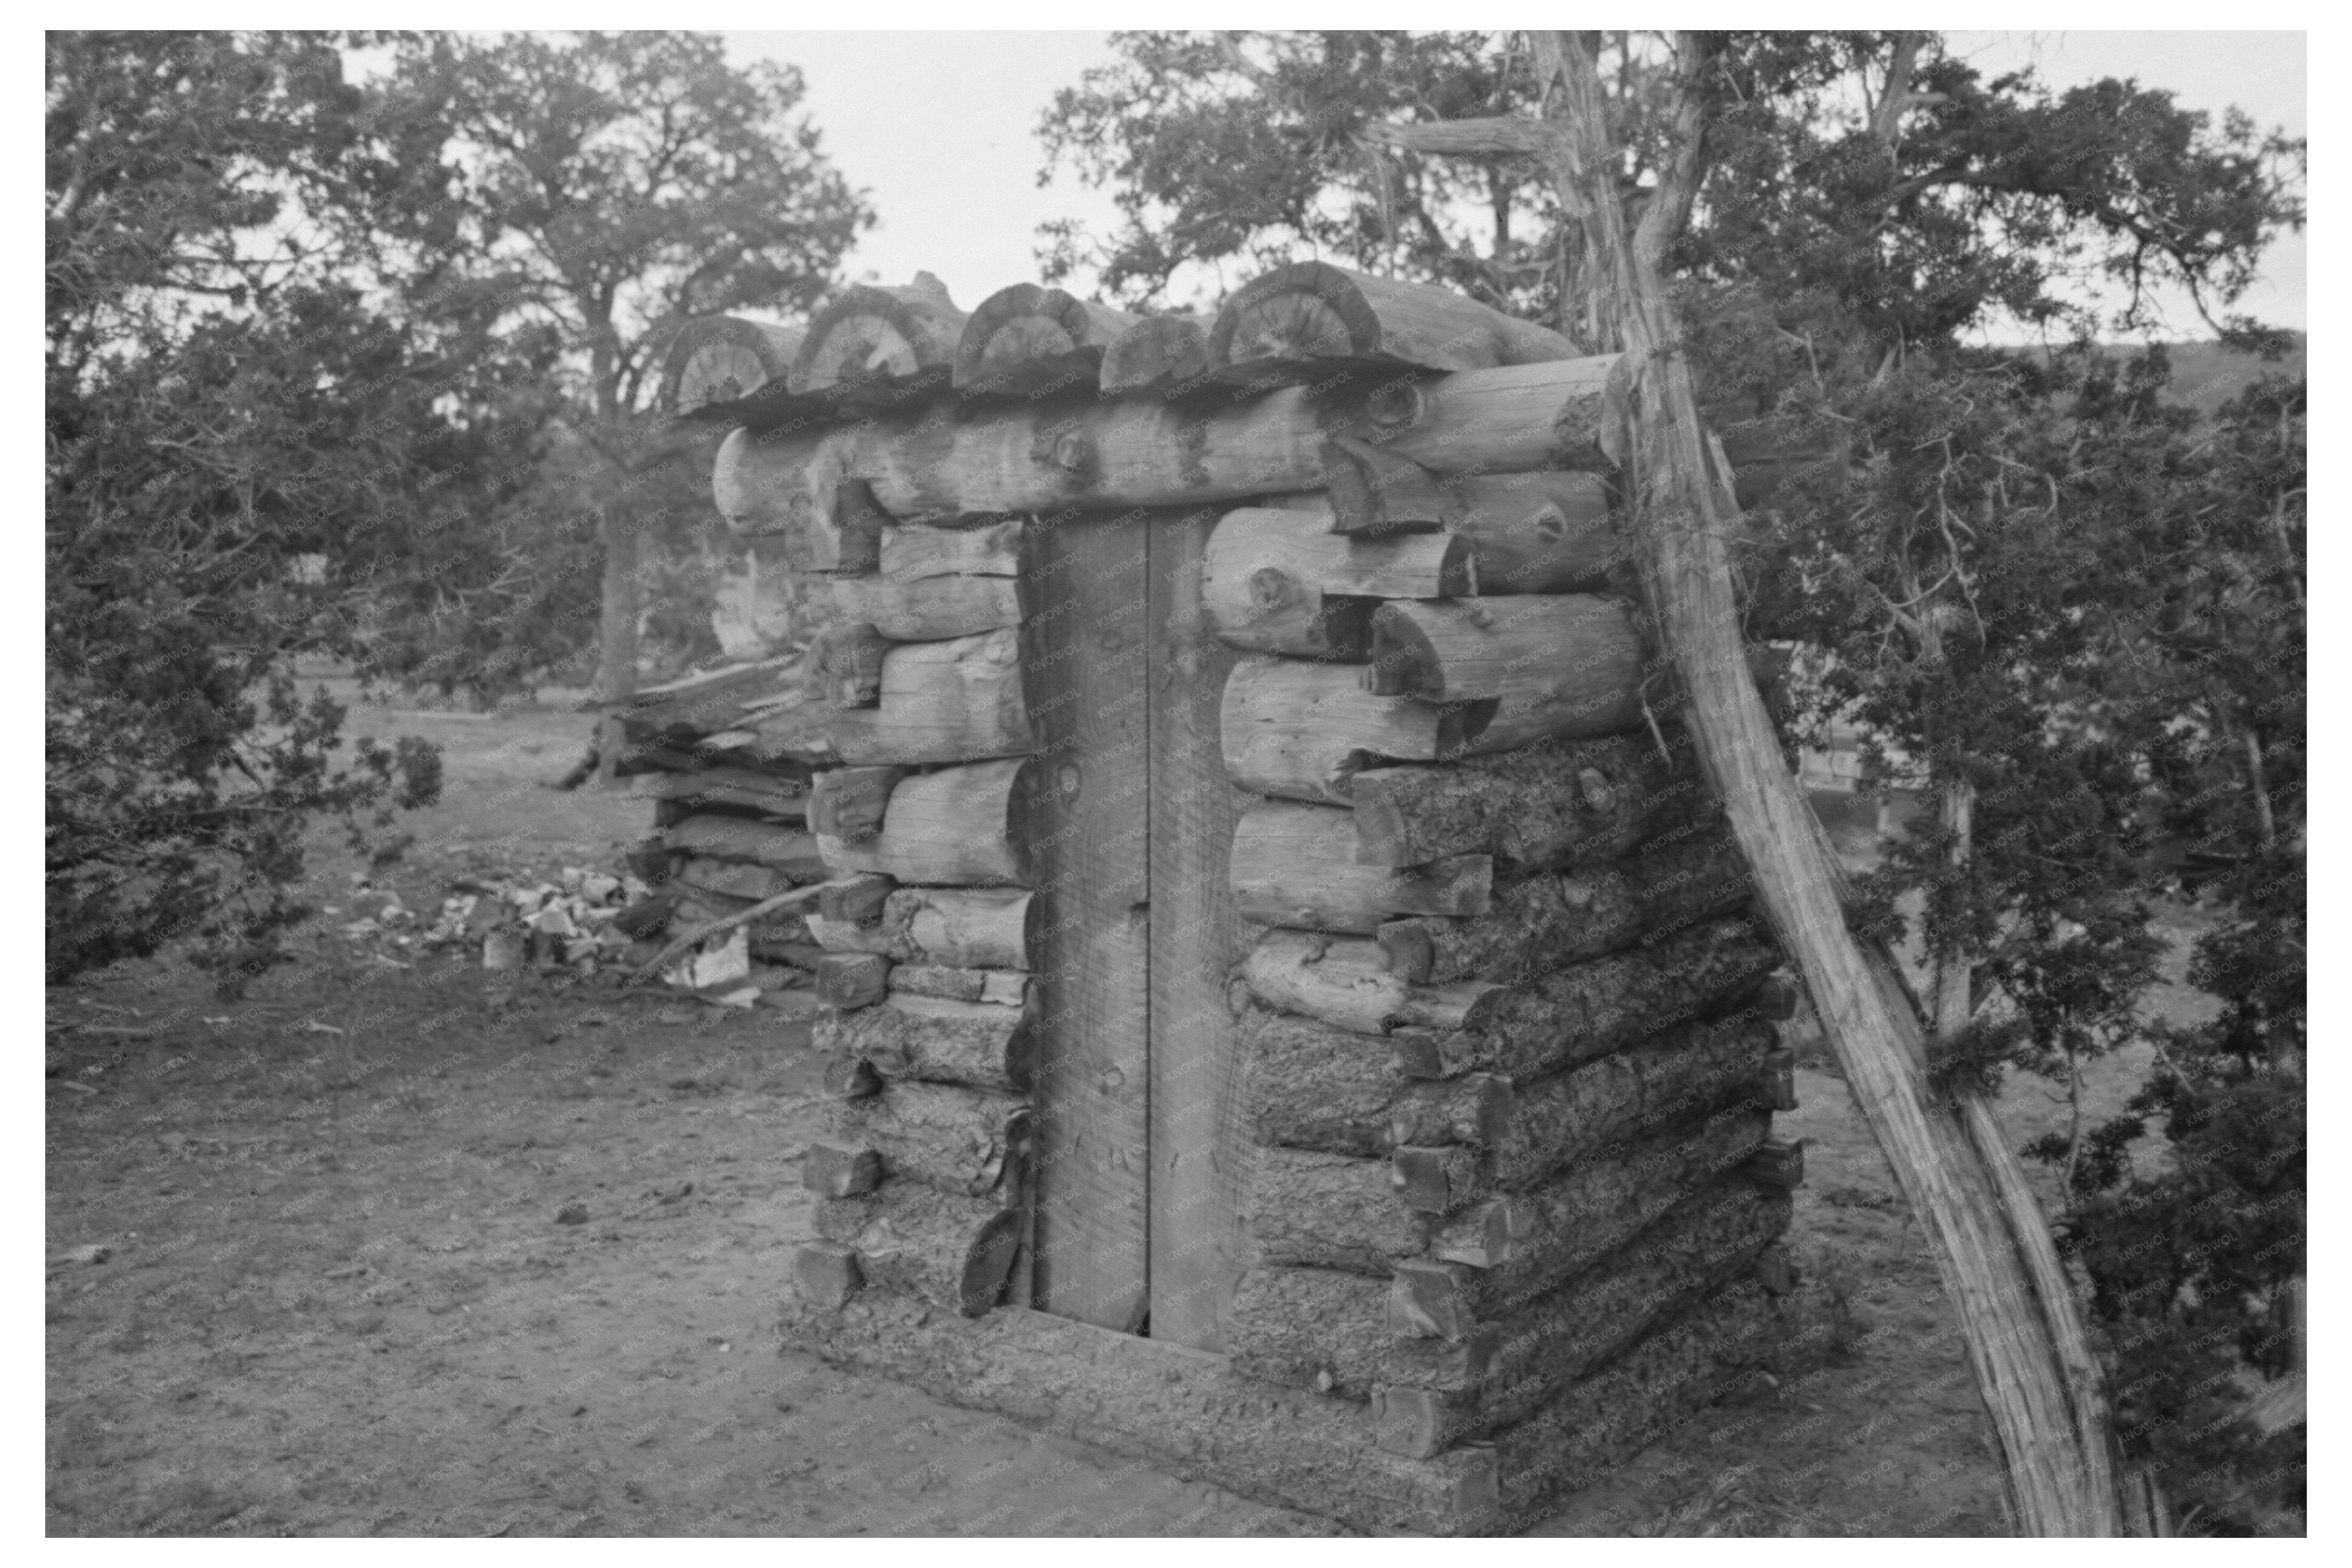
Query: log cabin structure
[1292, 1008]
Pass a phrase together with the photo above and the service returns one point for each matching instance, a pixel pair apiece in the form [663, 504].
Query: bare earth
[336, 1300]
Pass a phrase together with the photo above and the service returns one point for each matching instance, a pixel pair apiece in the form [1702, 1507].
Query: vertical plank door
[1088, 652]
[1195, 1251]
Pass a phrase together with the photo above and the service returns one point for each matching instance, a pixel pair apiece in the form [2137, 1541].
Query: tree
[1809, 223]
[221, 401]
[613, 185]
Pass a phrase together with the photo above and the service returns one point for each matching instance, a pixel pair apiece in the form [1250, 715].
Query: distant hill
[2207, 375]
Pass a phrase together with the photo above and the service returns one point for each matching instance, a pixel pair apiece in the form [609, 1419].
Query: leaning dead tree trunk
[1992, 1245]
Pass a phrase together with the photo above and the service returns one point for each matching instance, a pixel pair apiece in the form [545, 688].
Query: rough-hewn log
[718, 359]
[1293, 865]
[1310, 312]
[957, 701]
[875, 336]
[1421, 1423]
[1556, 1020]
[1308, 1207]
[1043, 454]
[1163, 354]
[737, 879]
[1778, 1167]
[1278, 580]
[836, 1170]
[1555, 664]
[852, 979]
[1547, 922]
[977, 1044]
[1679, 1368]
[787, 849]
[1424, 1405]
[1307, 1085]
[1702, 1066]
[1530, 533]
[856, 900]
[1537, 533]
[760, 483]
[1180, 1409]
[1329, 1330]
[1500, 1255]
[1300, 730]
[825, 1275]
[963, 927]
[1437, 1178]
[770, 794]
[1780, 1080]
[851, 1078]
[950, 1252]
[1505, 421]
[1007, 988]
[849, 802]
[846, 526]
[960, 827]
[1347, 982]
[1307, 1328]
[1545, 807]
[1026, 337]
[845, 666]
[708, 701]
[930, 608]
[968, 1142]
[912, 552]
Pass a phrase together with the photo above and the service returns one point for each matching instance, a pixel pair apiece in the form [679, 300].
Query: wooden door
[1134, 1187]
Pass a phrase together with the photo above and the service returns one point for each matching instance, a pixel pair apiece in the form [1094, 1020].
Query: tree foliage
[355, 369]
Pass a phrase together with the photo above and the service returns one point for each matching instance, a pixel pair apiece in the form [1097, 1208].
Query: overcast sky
[940, 130]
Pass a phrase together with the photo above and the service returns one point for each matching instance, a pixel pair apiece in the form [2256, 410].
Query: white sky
[940, 128]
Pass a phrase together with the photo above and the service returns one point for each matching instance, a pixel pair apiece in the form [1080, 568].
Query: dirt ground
[335, 1298]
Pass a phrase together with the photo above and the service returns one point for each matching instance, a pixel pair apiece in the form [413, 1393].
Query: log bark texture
[1182, 1410]
[1503, 1252]
[1701, 1068]
[1316, 1329]
[976, 1044]
[1577, 1329]
[966, 928]
[968, 1142]
[1557, 1020]
[1300, 731]
[1546, 806]
[951, 1253]
[1306, 1207]
[1549, 922]
[1293, 865]
[1555, 664]
[1307, 1085]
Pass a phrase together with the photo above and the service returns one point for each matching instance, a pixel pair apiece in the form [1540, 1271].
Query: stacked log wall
[1508, 1057]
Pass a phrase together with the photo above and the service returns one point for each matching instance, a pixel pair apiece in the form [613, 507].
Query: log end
[825, 1274]
[1309, 310]
[987, 1263]
[829, 1170]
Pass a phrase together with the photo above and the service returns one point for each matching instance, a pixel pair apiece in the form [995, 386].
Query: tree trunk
[616, 668]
